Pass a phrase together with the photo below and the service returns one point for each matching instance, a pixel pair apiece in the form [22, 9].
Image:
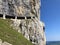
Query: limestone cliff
[32, 29]
[20, 7]
[4, 43]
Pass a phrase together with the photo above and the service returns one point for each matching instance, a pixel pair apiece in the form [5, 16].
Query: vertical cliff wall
[32, 29]
[20, 7]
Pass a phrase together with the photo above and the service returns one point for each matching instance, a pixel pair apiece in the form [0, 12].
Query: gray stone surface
[4, 43]
[0, 42]
[20, 7]
[32, 29]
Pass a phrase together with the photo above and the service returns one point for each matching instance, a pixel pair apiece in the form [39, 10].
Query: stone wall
[4, 43]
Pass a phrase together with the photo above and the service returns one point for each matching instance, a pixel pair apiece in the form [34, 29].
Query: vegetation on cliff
[8, 34]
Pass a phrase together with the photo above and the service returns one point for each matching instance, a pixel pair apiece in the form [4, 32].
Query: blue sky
[50, 15]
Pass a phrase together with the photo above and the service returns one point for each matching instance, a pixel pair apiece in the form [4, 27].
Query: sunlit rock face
[32, 29]
[4, 43]
[20, 7]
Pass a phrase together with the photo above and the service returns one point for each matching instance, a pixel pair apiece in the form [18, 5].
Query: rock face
[4, 43]
[32, 29]
[20, 7]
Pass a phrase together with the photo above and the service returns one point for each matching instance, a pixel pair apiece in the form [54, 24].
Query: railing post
[4, 16]
[15, 17]
[25, 18]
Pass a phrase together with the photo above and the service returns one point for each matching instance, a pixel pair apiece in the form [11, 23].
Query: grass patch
[7, 33]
